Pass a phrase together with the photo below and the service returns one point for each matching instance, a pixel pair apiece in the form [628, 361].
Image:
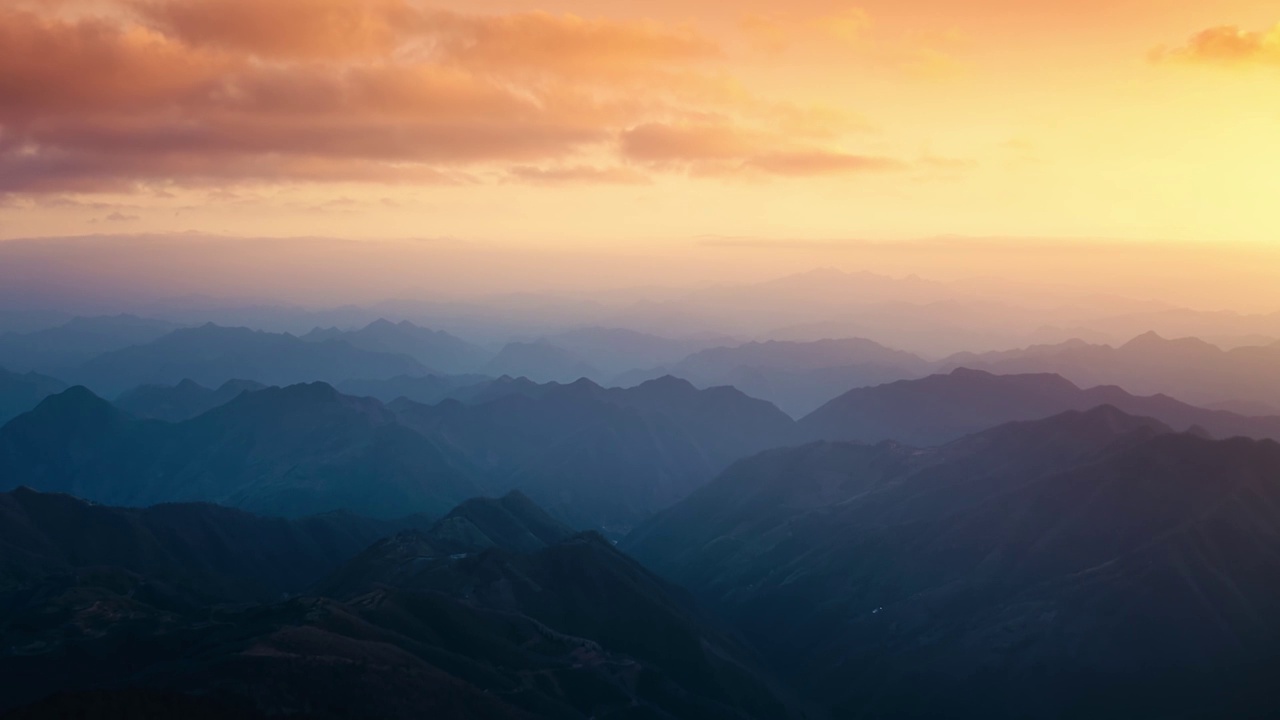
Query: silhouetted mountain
[435, 349]
[1088, 565]
[20, 393]
[1186, 368]
[68, 345]
[569, 628]
[600, 458]
[797, 377]
[428, 389]
[539, 361]
[212, 355]
[941, 408]
[181, 402]
[583, 587]
[289, 451]
[173, 555]
[512, 522]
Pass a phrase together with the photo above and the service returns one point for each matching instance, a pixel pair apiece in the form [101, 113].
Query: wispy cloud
[218, 92]
[1227, 45]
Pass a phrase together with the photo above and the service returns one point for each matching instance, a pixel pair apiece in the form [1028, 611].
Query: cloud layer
[156, 93]
[1229, 45]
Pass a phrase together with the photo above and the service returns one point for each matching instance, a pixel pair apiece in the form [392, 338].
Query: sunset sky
[615, 124]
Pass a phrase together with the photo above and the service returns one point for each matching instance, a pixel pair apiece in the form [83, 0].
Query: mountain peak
[512, 522]
[1153, 341]
[668, 384]
[964, 372]
[1103, 421]
[75, 407]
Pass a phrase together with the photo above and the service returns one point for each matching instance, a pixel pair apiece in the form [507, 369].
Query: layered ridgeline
[187, 399]
[1093, 564]
[435, 349]
[495, 611]
[796, 376]
[800, 376]
[172, 556]
[941, 408]
[211, 355]
[290, 451]
[1187, 368]
[56, 349]
[599, 458]
[540, 361]
[20, 392]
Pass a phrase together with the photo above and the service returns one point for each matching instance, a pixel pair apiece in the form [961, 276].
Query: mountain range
[425, 389]
[941, 408]
[1188, 368]
[496, 611]
[599, 458]
[183, 555]
[438, 350]
[540, 361]
[211, 355]
[291, 451]
[796, 376]
[22, 392]
[55, 349]
[1093, 564]
[596, 457]
[186, 400]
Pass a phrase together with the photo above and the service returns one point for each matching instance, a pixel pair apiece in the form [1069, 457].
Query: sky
[619, 127]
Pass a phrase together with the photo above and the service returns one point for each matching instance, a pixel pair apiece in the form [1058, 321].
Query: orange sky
[629, 124]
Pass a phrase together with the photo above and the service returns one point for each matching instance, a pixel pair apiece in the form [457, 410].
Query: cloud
[214, 93]
[1227, 45]
[775, 32]
[284, 28]
[666, 143]
[819, 162]
[578, 174]
[712, 149]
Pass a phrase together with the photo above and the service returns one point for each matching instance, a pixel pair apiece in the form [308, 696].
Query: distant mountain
[796, 376]
[426, 389]
[597, 458]
[941, 408]
[612, 351]
[211, 355]
[180, 554]
[565, 627]
[603, 458]
[438, 350]
[181, 402]
[291, 451]
[1088, 565]
[1187, 368]
[20, 393]
[540, 361]
[1245, 407]
[75, 342]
